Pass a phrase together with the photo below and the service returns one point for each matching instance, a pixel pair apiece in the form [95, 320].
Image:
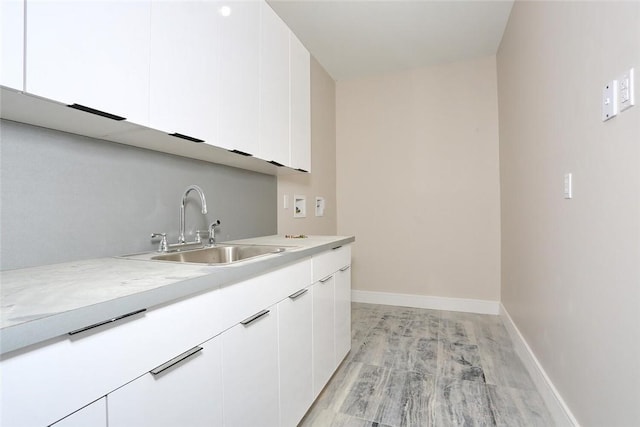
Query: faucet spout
[203, 202]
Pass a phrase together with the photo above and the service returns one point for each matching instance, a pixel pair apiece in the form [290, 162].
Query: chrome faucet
[203, 201]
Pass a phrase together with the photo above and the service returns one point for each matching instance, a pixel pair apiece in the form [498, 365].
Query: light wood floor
[417, 367]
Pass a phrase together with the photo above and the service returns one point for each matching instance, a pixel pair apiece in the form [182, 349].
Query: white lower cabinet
[250, 360]
[94, 415]
[323, 333]
[331, 271]
[295, 356]
[265, 370]
[343, 312]
[186, 390]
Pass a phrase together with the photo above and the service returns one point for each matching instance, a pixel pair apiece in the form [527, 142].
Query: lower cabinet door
[250, 359]
[295, 356]
[94, 415]
[185, 391]
[323, 333]
[343, 312]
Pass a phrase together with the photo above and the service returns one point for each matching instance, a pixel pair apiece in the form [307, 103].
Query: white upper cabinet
[274, 87]
[183, 85]
[12, 43]
[239, 78]
[226, 72]
[300, 140]
[92, 53]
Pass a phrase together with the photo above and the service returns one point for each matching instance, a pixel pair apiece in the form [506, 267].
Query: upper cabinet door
[185, 46]
[92, 53]
[12, 43]
[238, 111]
[274, 87]
[300, 144]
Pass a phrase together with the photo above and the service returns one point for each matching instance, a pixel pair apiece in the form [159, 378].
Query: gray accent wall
[66, 197]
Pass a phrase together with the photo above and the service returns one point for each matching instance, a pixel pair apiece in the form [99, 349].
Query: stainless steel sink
[223, 254]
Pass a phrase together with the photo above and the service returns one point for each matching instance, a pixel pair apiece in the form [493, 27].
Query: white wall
[417, 179]
[571, 268]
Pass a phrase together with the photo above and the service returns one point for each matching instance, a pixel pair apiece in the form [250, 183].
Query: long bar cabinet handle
[184, 356]
[249, 320]
[105, 322]
[299, 293]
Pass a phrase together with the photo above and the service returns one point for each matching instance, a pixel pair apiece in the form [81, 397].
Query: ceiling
[356, 38]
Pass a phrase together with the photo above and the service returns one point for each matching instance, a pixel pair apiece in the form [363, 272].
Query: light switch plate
[319, 206]
[626, 90]
[568, 186]
[610, 100]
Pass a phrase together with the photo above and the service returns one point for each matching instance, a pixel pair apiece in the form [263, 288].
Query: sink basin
[224, 254]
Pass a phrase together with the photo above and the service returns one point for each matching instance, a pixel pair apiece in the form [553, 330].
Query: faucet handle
[200, 234]
[212, 231]
[164, 246]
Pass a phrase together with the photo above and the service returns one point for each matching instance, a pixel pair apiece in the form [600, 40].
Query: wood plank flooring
[417, 367]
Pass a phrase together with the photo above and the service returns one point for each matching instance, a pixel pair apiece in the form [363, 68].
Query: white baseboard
[422, 301]
[559, 410]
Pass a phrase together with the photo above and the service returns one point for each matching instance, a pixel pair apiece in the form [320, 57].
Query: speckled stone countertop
[45, 302]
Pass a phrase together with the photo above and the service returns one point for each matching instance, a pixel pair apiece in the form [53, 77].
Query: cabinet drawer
[249, 297]
[331, 261]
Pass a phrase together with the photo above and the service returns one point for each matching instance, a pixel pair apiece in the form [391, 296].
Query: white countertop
[45, 302]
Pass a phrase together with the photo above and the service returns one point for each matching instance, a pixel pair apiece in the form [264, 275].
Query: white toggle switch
[568, 186]
[610, 100]
[626, 90]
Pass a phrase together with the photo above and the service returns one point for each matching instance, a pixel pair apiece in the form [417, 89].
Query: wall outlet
[299, 206]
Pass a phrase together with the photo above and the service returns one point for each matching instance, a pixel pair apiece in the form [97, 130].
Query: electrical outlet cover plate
[626, 88]
[610, 100]
[299, 206]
